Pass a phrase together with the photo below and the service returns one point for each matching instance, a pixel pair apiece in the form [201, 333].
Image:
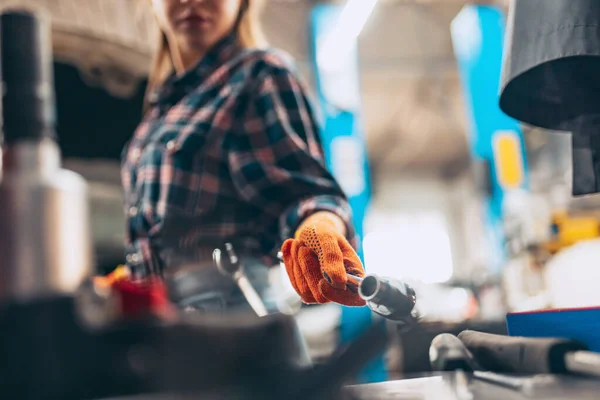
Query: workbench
[441, 386]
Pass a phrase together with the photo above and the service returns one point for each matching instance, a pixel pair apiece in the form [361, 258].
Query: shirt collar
[178, 85]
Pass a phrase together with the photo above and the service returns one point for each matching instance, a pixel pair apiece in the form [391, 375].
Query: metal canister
[45, 244]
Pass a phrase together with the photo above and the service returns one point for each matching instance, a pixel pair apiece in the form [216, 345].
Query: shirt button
[170, 145]
[133, 211]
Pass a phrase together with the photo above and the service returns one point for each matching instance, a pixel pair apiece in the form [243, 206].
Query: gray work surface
[441, 386]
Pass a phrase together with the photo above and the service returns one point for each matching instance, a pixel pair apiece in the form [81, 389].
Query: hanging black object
[551, 76]
[28, 95]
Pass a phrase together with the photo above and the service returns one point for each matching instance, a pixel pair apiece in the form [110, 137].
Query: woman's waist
[174, 254]
[193, 281]
[178, 256]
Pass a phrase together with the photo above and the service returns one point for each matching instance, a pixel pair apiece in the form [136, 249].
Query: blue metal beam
[495, 138]
[338, 93]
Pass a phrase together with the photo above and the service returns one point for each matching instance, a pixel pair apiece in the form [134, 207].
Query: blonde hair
[249, 33]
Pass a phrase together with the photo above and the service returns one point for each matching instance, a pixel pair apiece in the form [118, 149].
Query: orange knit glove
[318, 261]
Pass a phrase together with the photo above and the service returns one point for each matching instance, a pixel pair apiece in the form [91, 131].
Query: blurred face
[196, 25]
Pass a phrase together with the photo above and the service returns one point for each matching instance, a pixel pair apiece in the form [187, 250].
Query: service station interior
[470, 207]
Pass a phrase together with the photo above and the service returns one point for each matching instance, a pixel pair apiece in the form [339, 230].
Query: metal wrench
[229, 264]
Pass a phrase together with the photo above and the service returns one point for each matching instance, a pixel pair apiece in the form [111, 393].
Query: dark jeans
[206, 290]
[220, 295]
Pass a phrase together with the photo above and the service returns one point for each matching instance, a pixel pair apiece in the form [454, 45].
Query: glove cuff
[323, 218]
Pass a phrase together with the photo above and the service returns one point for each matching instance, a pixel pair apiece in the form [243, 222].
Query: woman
[228, 151]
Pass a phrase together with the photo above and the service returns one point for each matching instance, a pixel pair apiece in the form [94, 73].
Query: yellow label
[578, 229]
[508, 159]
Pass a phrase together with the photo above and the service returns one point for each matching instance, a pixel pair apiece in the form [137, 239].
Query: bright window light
[338, 44]
[412, 247]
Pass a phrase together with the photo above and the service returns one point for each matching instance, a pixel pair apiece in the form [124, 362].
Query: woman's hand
[318, 260]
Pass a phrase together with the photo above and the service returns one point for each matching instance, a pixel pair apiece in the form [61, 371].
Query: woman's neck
[184, 58]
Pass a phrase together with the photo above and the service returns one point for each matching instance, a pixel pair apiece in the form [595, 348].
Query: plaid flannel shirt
[228, 152]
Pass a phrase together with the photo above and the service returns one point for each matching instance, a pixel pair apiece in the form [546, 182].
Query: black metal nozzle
[27, 76]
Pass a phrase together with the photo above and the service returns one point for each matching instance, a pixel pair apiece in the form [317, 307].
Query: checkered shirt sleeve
[276, 159]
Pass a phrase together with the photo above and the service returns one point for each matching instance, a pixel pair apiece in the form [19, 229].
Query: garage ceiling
[413, 110]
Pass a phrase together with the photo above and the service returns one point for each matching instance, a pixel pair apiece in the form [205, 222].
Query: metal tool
[229, 264]
[583, 362]
[389, 298]
[46, 246]
[448, 353]
[354, 280]
[531, 355]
